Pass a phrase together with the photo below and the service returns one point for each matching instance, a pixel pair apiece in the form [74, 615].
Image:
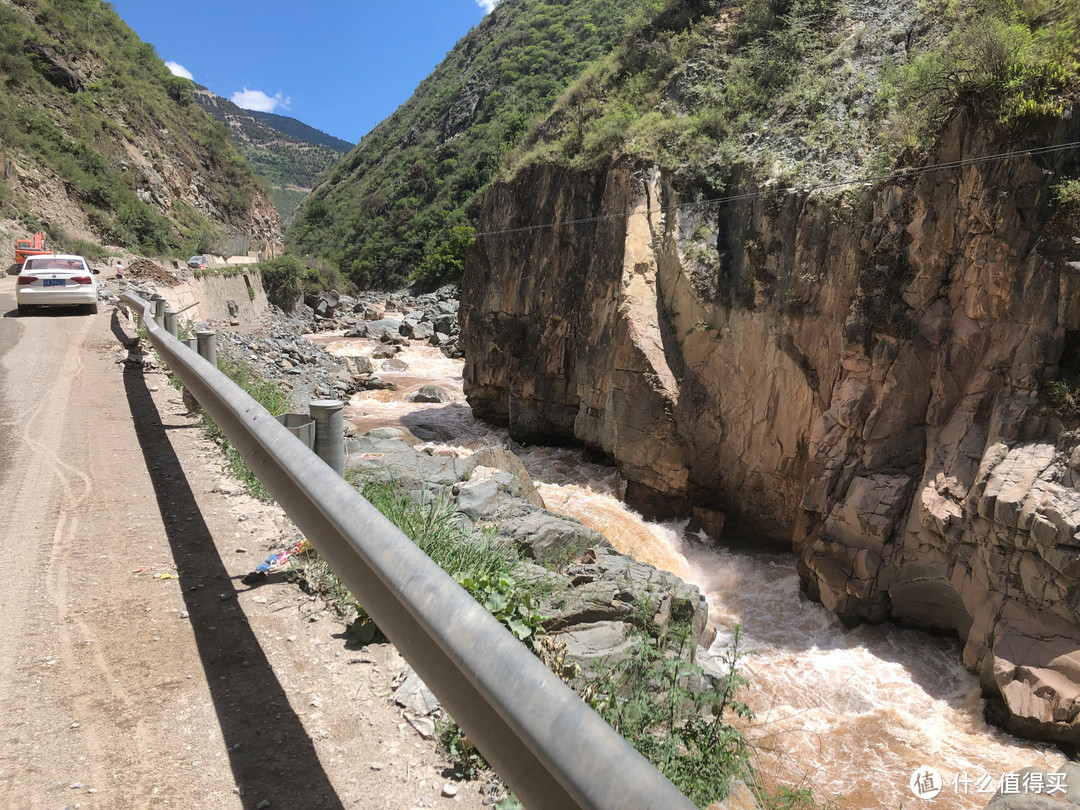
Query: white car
[58, 280]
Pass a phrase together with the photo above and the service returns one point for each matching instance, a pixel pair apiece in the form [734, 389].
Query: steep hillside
[805, 91]
[881, 375]
[99, 141]
[275, 150]
[383, 210]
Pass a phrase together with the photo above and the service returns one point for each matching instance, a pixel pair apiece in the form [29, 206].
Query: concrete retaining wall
[213, 294]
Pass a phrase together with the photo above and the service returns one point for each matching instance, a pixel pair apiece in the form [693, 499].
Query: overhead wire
[901, 174]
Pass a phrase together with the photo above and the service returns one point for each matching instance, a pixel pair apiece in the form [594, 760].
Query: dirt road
[135, 668]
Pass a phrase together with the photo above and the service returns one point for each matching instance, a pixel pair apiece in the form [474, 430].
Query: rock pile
[278, 351]
[391, 318]
[595, 598]
[146, 270]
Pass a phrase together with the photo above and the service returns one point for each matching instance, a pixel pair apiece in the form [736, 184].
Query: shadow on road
[271, 755]
[49, 312]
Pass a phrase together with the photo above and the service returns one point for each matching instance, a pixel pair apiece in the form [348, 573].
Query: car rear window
[54, 264]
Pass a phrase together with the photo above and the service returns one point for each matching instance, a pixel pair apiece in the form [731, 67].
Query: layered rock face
[853, 374]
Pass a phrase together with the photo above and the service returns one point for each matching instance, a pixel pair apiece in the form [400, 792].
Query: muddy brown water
[850, 714]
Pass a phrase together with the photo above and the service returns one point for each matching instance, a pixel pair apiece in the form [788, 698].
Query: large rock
[432, 393]
[854, 376]
[324, 304]
[384, 328]
[56, 68]
[357, 366]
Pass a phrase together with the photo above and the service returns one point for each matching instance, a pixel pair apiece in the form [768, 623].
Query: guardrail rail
[551, 748]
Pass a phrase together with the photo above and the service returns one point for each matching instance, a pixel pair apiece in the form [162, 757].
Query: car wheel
[24, 310]
[91, 309]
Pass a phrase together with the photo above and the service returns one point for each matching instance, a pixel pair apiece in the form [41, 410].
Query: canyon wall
[854, 374]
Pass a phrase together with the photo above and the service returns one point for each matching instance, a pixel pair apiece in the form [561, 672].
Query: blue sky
[341, 66]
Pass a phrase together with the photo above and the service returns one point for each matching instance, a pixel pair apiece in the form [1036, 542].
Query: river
[851, 714]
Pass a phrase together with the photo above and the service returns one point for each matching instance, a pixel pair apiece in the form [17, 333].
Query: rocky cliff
[855, 374]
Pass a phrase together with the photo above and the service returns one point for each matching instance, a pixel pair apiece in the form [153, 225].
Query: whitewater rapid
[851, 714]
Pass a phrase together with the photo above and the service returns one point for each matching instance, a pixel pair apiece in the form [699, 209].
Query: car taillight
[82, 279]
[27, 279]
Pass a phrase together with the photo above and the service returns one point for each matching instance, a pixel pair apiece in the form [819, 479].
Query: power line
[902, 174]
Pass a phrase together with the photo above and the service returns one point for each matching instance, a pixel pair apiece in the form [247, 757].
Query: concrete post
[192, 343]
[208, 346]
[329, 421]
[159, 311]
[170, 321]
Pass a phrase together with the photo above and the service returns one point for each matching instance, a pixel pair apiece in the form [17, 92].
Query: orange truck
[25, 248]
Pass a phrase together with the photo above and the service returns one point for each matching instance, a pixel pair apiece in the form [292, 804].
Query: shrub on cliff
[1016, 62]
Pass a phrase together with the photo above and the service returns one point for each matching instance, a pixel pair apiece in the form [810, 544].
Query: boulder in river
[432, 393]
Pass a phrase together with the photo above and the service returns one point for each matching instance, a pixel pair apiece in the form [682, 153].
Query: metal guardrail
[550, 748]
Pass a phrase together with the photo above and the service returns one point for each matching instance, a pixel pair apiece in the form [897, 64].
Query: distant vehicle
[25, 248]
[197, 263]
[57, 280]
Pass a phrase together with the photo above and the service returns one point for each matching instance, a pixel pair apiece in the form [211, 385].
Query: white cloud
[176, 69]
[258, 100]
[487, 5]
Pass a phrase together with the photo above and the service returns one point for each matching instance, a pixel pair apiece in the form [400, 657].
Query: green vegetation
[481, 566]
[649, 699]
[283, 279]
[106, 138]
[286, 278]
[1016, 62]
[799, 91]
[446, 263]
[662, 705]
[388, 206]
[59, 240]
[268, 394]
[1062, 398]
[790, 86]
[301, 131]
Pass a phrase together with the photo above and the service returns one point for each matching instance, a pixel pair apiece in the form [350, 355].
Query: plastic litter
[275, 560]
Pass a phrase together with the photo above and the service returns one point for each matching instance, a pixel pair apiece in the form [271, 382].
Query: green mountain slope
[101, 141]
[288, 163]
[301, 131]
[802, 91]
[811, 90]
[397, 195]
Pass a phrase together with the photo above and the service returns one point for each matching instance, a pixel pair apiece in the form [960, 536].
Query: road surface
[135, 668]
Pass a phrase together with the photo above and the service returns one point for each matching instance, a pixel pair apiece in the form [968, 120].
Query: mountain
[286, 153]
[301, 131]
[394, 199]
[101, 143]
[810, 91]
[809, 274]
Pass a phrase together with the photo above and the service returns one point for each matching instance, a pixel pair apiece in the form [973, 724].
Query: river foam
[851, 714]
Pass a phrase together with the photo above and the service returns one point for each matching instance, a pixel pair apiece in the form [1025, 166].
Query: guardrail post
[192, 343]
[329, 421]
[170, 322]
[159, 311]
[207, 346]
